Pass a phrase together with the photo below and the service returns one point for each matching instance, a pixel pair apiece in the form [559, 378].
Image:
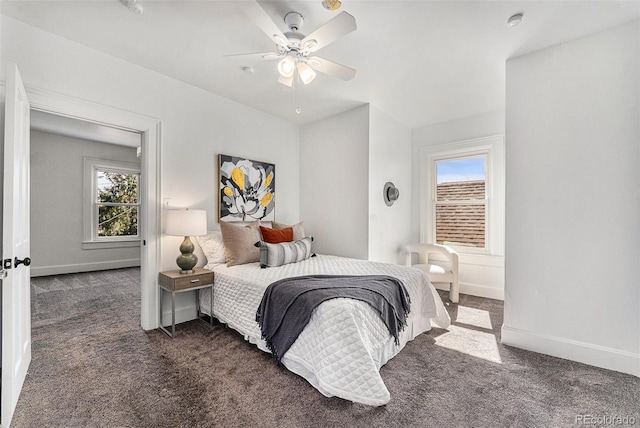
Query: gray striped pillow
[272, 255]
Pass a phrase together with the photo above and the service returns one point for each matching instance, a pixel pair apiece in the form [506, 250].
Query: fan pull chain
[293, 85]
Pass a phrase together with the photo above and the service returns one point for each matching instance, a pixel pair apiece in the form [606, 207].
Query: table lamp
[186, 223]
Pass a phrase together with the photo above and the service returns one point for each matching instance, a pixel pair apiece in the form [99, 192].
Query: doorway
[74, 165]
[149, 128]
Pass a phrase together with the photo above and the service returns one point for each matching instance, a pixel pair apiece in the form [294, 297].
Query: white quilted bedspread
[341, 350]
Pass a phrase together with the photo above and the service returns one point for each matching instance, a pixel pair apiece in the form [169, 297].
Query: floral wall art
[247, 189]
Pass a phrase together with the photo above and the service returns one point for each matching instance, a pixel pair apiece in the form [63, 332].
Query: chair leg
[454, 293]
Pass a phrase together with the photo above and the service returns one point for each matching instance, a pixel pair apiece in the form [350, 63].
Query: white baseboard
[474, 290]
[482, 291]
[83, 267]
[587, 353]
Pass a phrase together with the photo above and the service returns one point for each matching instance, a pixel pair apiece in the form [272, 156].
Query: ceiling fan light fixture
[287, 66]
[306, 73]
[294, 49]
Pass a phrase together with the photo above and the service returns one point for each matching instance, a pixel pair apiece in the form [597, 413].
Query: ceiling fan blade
[287, 81]
[265, 56]
[331, 68]
[330, 32]
[258, 15]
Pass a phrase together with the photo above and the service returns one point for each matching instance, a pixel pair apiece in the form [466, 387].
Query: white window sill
[486, 260]
[101, 245]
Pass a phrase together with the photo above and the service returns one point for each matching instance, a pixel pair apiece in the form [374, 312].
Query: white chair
[436, 272]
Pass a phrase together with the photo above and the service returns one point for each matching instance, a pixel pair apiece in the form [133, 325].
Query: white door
[16, 293]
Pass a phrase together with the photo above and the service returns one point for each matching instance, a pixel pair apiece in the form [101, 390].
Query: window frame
[493, 148]
[91, 238]
[434, 202]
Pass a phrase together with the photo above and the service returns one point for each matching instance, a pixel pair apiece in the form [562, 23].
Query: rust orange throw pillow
[276, 236]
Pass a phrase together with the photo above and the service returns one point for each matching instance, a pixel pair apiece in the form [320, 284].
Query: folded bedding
[287, 304]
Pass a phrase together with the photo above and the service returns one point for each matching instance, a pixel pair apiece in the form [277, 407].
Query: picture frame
[246, 189]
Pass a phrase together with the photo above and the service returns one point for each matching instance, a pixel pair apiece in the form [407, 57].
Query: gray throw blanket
[287, 304]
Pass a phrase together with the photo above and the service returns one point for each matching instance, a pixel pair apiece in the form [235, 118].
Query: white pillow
[213, 247]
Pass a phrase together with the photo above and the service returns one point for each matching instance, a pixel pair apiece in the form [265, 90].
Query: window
[116, 203]
[462, 195]
[112, 210]
[461, 201]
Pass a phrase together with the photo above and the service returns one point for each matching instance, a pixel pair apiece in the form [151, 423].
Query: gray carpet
[94, 367]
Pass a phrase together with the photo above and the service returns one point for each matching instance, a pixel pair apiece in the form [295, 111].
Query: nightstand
[175, 282]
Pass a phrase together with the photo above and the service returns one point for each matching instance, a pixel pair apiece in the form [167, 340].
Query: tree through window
[117, 203]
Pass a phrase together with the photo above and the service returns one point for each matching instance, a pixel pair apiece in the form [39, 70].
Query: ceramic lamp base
[186, 260]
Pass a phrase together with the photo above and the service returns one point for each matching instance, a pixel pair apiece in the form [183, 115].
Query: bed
[345, 343]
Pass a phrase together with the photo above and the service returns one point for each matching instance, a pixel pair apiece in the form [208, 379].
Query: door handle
[17, 262]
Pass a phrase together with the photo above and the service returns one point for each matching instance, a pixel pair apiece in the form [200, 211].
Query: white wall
[573, 207]
[478, 275]
[345, 160]
[389, 160]
[196, 125]
[334, 189]
[57, 197]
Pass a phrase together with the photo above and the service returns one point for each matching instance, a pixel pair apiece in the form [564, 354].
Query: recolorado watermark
[604, 420]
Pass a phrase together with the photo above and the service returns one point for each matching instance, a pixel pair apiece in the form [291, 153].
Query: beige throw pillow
[298, 229]
[239, 242]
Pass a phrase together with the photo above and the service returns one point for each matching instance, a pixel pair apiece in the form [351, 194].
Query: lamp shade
[287, 66]
[186, 222]
[306, 73]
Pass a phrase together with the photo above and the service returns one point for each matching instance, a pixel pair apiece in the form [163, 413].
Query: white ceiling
[422, 62]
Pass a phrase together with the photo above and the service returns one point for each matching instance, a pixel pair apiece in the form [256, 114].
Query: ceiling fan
[295, 50]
